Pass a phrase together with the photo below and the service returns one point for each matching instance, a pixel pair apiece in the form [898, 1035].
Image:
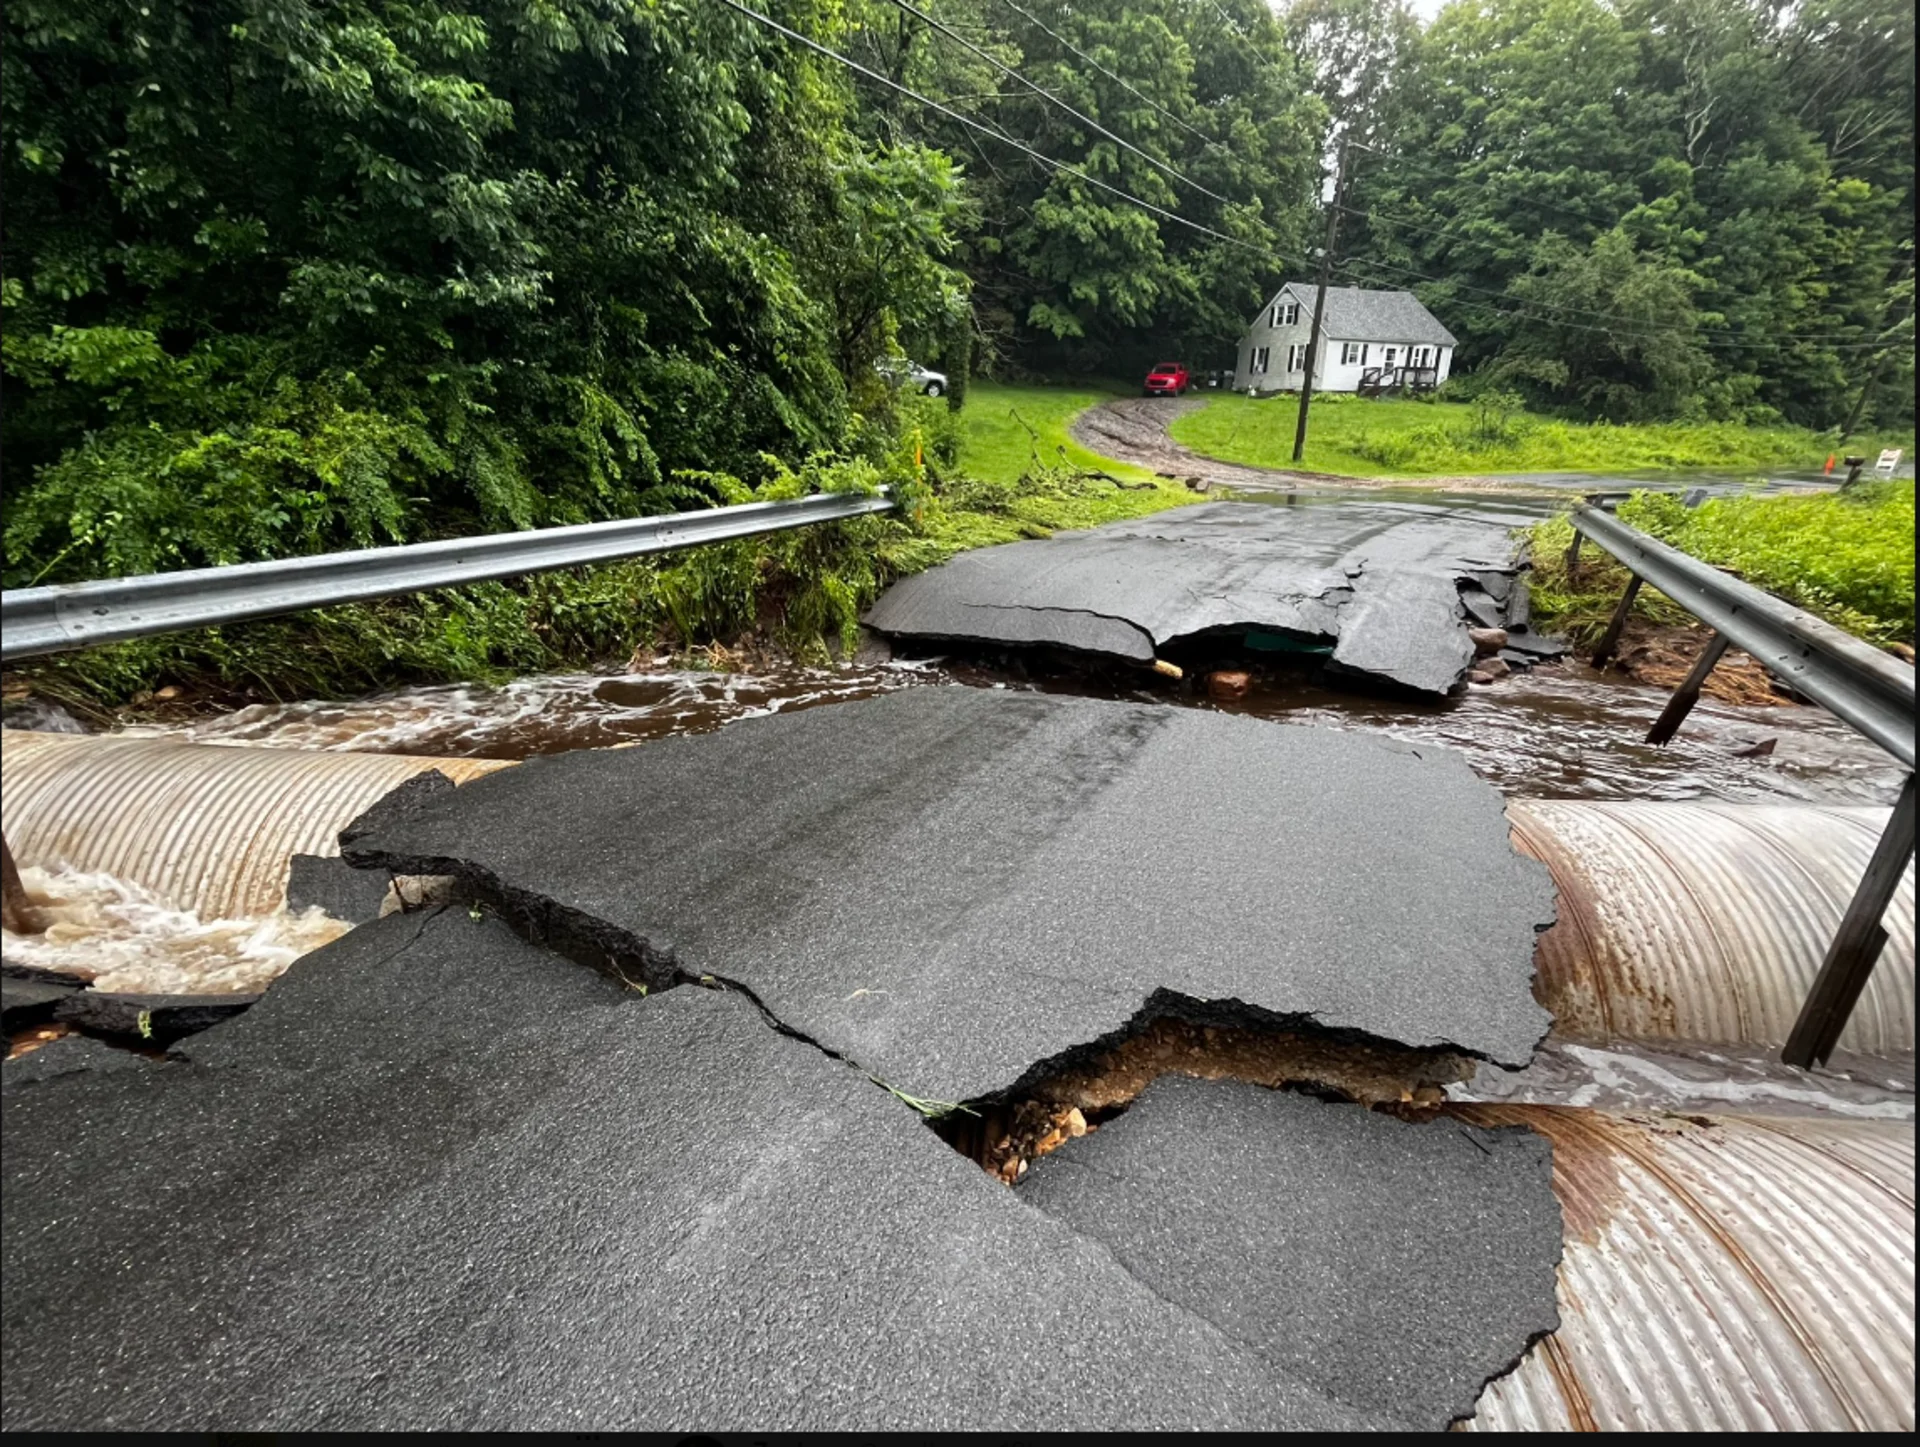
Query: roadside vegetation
[1847, 556]
[280, 277]
[1008, 431]
[1400, 437]
[965, 480]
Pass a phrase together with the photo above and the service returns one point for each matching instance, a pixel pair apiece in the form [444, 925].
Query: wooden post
[15, 913]
[1856, 948]
[1320, 304]
[1688, 693]
[1573, 555]
[1610, 640]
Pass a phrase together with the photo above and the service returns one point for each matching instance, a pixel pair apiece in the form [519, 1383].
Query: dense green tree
[283, 274]
[1656, 205]
[1193, 107]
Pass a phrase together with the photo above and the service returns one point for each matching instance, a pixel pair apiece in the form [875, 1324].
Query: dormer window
[1283, 314]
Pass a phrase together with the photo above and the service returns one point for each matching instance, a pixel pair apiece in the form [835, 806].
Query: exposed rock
[1487, 641]
[1227, 684]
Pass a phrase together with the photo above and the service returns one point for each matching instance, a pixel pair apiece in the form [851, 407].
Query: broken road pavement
[949, 885]
[1380, 583]
[443, 1178]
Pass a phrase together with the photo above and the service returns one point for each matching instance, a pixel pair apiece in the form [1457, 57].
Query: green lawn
[1399, 438]
[996, 447]
[1020, 476]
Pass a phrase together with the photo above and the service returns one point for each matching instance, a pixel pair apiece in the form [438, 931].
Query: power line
[1053, 99]
[1118, 80]
[1734, 337]
[1629, 325]
[997, 134]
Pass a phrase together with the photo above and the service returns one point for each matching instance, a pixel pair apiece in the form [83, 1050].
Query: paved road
[1387, 590]
[1134, 430]
[441, 1178]
[952, 885]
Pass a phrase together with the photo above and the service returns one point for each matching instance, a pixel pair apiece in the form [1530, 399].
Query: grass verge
[1009, 431]
[1848, 557]
[1396, 437]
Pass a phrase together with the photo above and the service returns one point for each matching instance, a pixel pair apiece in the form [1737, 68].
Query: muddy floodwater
[1557, 731]
[1561, 731]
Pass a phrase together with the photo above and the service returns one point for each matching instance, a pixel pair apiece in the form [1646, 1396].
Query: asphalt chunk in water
[947, 885]
[1381, 582]
[1395, 1266]
[440, 1178]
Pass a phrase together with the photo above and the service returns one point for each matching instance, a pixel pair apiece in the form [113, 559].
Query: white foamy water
[1729, 1079]
[120, 936]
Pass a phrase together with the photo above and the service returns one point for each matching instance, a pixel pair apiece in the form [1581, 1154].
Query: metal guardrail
[36, 621]
[1854, 680]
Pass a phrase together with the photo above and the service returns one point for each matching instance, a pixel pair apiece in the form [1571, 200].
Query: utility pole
[1320, 302]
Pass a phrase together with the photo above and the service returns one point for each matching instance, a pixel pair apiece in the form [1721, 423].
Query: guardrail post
[1610, 640]
[1688, 693]
[15, 913]
[1856, 947]
[1573, 556]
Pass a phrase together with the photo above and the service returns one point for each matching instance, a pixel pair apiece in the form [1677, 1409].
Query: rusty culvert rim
[209, 827]
[1721, 1274]
[1708, 922]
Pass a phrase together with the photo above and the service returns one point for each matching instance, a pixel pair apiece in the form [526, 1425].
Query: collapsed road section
[442, 1178]
[949, 884]
[1385, 591]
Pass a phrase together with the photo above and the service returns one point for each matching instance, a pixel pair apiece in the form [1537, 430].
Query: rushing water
[547, 713]
[1561, 731]
[120, 936]
[1630, 1075]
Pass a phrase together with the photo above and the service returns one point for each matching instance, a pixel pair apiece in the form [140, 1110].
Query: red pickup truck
[1168, 379]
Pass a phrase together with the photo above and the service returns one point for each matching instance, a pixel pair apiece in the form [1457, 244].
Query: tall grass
[1847, 556]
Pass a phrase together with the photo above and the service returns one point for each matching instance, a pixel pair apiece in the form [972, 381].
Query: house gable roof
[1355, 314]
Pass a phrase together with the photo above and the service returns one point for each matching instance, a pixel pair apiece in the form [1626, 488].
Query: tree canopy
[282, 275]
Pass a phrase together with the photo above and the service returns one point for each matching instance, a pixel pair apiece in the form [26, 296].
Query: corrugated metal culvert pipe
[1708, 922]
[210, 827]
[1721, 1274]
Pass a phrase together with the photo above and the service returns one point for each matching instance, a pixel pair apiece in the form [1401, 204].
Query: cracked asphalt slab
[950, 886]
[441, 1178]
[1388, 1263]
[1379, 581]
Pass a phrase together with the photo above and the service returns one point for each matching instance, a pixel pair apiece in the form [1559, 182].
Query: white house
[1372, 341]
